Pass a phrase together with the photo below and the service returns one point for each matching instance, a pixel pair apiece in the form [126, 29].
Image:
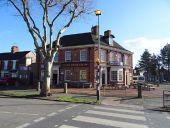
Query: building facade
[76, 60]
[18, 64]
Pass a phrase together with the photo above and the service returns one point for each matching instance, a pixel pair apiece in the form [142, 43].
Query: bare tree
[55, 17]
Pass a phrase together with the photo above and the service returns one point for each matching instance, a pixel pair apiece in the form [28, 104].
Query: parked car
[8, 81]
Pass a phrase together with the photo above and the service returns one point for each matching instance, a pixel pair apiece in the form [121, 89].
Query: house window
[120, 75]
[126, 59]
[56, 57]
[111, 56]
[67, 75]
[5, 64]
[83, 75]
[83, 55]
[14, 65]
[114, 75]
[23, 68]
[103, 55]
[67, 56]
[119, 57]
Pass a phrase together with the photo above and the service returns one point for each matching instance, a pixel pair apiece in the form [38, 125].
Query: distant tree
[145, 63]
[165, 54]
[46, 20]
[153, 66]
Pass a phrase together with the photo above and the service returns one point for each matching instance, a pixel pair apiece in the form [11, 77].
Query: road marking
[39, 119]
[168, 117]
[109, 122]
[52, 114]
[24, 125]
[119, 110]
[67, 126]
[19, 113]
[69, 107]
[117, 115]
[56, 126]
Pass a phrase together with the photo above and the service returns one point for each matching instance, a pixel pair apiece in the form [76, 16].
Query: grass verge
[19, 94]
[76, 100]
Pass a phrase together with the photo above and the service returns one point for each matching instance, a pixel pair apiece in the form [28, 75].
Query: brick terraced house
[76, 64]
[18, 64]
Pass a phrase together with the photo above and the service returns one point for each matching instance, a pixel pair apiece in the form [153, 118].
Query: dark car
[7, 81]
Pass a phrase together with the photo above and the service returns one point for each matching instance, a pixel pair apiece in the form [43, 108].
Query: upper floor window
[14, 65]
[126, 59]
[5, 64]
[56, 57]
[103, 55]
[111, 58]
[83, 55]
[67, 56]
[119, 57]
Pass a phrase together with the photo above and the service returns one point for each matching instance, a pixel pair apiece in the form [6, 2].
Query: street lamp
[98, 13]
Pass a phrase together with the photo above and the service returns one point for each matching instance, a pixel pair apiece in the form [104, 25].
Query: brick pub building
[76, 61]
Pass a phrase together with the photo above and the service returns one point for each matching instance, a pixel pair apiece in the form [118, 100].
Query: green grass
[19, 94]
[76, 100]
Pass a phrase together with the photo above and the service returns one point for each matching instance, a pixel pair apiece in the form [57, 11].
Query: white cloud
[138, 45]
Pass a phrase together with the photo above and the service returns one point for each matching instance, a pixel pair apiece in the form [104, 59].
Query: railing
[166, 98]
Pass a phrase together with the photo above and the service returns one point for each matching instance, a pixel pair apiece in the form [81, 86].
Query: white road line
[52, 114]
[120, 110]
[69, 107]
[18, 113]
[168, 117]
[109, 122]
[56, 126]
[117, 115]
[67, 126]
[24, 125]
[39, 119]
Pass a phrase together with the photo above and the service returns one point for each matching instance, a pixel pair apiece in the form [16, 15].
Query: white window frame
[126, 59]
[14, 64]
[67, 56]
[83, 53]
[111, 75]
[120, 75]
[65, 77]
[5, 64]
[81, 71]
[103, 55]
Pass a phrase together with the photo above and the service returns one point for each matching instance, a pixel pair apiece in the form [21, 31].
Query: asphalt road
[34, 113]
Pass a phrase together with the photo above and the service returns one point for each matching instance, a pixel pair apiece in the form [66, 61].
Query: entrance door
[103, 78]
[55, 79]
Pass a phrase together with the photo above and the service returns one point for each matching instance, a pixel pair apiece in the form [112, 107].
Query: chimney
[94, 30]
[14, 49]
[107, 33]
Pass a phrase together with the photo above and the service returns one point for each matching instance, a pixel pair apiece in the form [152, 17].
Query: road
[34, 113]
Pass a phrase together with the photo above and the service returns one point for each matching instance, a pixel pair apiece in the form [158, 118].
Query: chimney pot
[107, 33]
[94, 30]
[14, 49]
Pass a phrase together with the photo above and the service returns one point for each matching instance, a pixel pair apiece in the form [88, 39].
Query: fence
[166, 98]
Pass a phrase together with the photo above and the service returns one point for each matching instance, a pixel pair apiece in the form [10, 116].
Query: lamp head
[98, 12]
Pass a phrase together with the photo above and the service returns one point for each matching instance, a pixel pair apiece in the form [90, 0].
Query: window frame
[81, 51]
[81, 75]
[66, 56]
[103, 54]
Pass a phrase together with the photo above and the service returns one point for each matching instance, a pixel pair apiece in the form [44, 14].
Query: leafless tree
[46, 20]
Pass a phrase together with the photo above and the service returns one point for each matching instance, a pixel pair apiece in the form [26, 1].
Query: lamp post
[98, 13]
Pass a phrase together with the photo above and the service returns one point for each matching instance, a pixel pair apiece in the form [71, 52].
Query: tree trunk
[45, 89]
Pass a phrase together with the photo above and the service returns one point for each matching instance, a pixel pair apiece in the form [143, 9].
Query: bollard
[65, 88]
[38, 88]
[139, 91]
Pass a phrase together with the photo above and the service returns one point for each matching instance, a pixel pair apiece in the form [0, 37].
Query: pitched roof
[86, 39]
[13, 56]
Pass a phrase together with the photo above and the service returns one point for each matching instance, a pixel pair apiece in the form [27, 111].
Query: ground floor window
[120, 75]
[83, 75]
[114, 75]
[67, 75]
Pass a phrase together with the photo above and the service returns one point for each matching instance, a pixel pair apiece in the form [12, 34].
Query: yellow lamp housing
[97, 60]
[98, 12]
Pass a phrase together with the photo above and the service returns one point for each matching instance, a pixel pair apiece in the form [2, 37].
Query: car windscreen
[141, 78]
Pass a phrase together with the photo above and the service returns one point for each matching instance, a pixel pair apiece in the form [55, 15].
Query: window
[83, 75]
[120, 75]
[114, 75]
[14, 65]
[83, 55]
[103, 55]
[119, 57]
[67, 56]
[5, 64]
[67, 75]
[111, 56]
[56, 57]
[126, 59]
[23, 68]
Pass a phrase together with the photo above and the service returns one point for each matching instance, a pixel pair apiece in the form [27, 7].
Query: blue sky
[136, 24]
